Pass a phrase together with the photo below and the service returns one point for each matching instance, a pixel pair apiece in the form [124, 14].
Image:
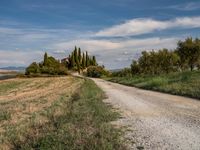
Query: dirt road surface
[155, 120]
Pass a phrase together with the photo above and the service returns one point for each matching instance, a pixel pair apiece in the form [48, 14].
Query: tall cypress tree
[94, 62]
[69, 62]
[87, 59]
[75, 54]
[83, 61]
[45, 59]
[72, 61]
[78, 67]
[79, 55]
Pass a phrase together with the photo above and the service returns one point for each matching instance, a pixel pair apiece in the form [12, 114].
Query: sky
[115, 31]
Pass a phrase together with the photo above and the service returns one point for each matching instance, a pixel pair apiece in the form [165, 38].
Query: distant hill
[13, 68]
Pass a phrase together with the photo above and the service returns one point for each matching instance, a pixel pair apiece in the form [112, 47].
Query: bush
[49, 66]
[33, 69]
[62, 70]
[96, 71]
[126, 72]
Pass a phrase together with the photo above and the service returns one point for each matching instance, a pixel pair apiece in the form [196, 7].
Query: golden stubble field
[26, 100]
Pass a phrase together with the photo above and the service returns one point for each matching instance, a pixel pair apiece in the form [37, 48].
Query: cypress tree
[75, 54]
[94, 62]
[45, 59]
[69, 62]
[83, 61]
[72, 61]
[76, 60]
[90, 61]
[87, 59]
[78, 67]
[79, 55]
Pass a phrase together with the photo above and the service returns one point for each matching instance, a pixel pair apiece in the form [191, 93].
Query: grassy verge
[184, 83]
[80, 121]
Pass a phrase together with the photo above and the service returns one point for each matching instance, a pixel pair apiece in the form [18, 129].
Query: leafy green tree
[144, 62]
[156, 62]
[32, 69]
[169, 61]
[135, 68]
[189, 52]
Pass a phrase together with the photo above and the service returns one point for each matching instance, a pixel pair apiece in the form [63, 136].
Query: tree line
[185, 57]
[76, 61]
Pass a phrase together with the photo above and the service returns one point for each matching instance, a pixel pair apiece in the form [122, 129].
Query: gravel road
[155, 120]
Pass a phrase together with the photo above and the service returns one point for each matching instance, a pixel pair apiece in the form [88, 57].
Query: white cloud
[18, 57]
[109, 45]
[186, 7]
[31, 35]
[91, 45]
[187, 22]
[150, 43]
[23, 35]
[147, 25]
[59, 52]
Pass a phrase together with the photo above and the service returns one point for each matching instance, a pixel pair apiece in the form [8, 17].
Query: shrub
[126, 72]
[62, 70]
[32, 69]
[96, 71]
[49, 66]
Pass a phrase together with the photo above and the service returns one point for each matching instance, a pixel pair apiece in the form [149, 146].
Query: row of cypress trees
[78, 60]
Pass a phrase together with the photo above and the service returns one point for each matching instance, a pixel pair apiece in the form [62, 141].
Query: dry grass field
[55, 113]
[24, 102]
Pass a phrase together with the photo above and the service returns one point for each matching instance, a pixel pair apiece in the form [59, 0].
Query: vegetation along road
[155, 120]
[55, 113]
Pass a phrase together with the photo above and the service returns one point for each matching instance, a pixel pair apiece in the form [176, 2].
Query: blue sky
[116, 31]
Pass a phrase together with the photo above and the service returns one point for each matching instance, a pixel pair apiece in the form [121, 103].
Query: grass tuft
[4, 115]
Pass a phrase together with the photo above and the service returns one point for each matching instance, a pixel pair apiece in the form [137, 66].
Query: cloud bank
[148, 25]
[19, 57]
[110, 45]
